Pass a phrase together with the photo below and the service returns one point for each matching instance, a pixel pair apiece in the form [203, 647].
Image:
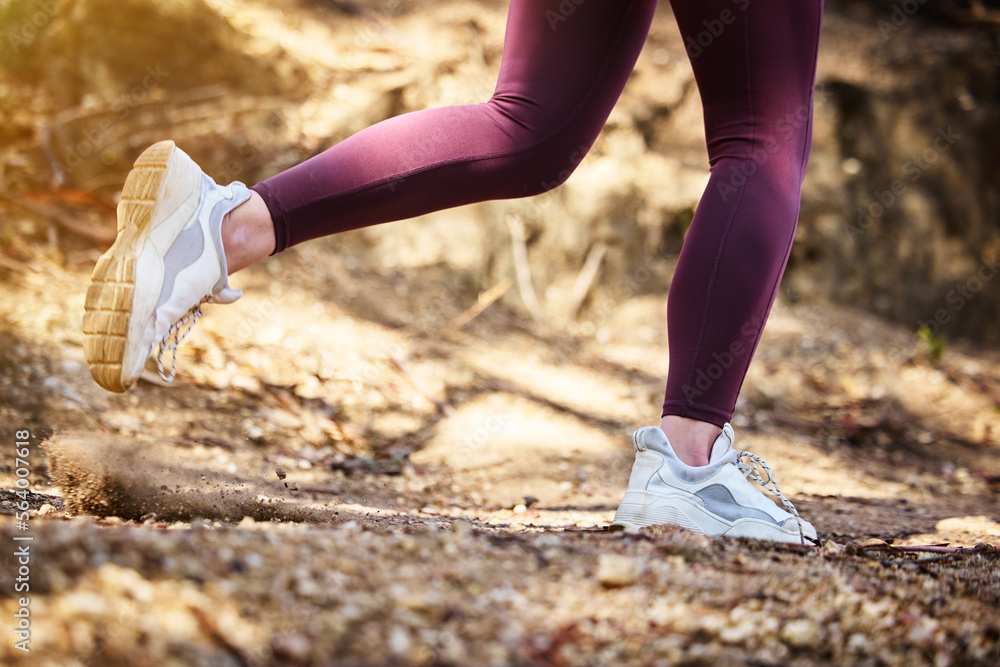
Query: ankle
[247, 234]
[691, 440]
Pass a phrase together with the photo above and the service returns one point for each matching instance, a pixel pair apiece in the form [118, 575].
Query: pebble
[831, 548]
[399, 641]
[802, 633]
[617, 571]
[461, 528]
[295, 647]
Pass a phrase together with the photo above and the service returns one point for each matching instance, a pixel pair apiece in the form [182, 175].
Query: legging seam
[812, 96]
[802, 165]
[499, 154]
[710, 292]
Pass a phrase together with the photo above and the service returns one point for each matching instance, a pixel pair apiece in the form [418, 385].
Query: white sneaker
[147, 289]
[716, 499]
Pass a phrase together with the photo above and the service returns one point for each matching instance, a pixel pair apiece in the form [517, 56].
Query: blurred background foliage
[892, 222]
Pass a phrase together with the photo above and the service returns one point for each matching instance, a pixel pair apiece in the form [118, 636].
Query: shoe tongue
[723, 444]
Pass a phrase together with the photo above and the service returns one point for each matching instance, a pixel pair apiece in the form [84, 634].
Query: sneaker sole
[640, 509]
[160, 196]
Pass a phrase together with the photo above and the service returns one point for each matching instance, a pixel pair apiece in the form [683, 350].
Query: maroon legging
[565, 63]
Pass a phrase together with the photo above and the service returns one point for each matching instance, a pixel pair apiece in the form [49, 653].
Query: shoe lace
[178, 331]
[757, 469]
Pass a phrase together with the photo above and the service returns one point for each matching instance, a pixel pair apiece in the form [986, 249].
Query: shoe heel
[638, 511]
[142, 186]
[111, 339]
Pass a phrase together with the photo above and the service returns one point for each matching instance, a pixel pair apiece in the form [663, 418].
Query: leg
[248, 234]
[756, 80]
[756, 77]
[181, 234]
[559, 79]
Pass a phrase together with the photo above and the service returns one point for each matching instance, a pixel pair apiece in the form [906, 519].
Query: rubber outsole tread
[108, 305]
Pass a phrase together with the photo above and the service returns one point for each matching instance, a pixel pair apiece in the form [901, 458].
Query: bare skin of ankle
[691, 439]
[247, 234]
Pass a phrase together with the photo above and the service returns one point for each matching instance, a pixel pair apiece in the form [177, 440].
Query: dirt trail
[445, 494]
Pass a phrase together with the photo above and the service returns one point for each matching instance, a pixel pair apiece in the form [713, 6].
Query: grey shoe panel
[720, 501]
[183, 253]
[654, 438]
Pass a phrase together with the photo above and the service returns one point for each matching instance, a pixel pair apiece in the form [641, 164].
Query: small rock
[831, 548]
[802, 633]
[399, 641]
[923, 630]
[461, 528]
[281, 473]
[858, 643]
[294, 647]
[617, 571]
[47, 509]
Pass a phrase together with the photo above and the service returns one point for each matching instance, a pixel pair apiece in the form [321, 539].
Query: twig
[35, 266]
[931, 549]
[943, 553]
[923, 548]
[320, 490]
[919, 561]
[13, 265]
[523, 268]
[585, 279]
[97, 234]
[485, 300]
[211, 628]
[333, 428]
[407, 372]
[44, 138]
